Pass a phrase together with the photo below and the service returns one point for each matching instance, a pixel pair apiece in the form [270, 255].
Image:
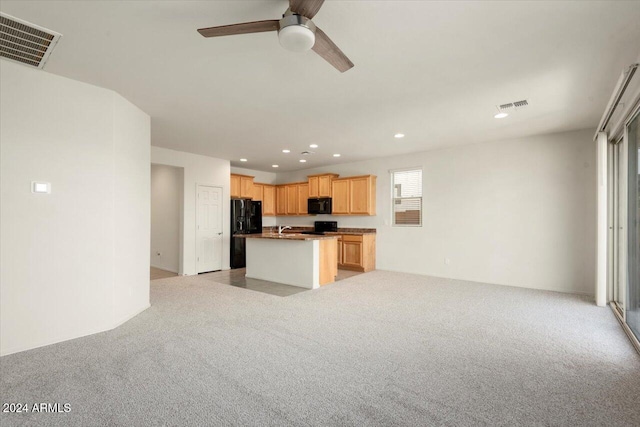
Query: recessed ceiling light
[243, 160]
[274, 166]
[500, 115]
[336, 155]
[286, 151]
[313, 145]
[399, 135]
[303, 161]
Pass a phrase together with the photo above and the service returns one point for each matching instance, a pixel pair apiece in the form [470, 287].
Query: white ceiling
[432, 70]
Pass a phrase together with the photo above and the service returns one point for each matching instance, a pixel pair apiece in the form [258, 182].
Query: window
[407, 197]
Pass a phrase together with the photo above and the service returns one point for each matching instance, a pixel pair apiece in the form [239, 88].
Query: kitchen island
[304, 260]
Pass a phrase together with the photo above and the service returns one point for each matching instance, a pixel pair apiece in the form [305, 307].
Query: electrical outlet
[447, 261]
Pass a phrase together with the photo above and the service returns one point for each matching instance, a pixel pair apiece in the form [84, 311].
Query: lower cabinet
[357, 252]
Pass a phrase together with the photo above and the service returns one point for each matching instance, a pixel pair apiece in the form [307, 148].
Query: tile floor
[237, 278]
[157, 273]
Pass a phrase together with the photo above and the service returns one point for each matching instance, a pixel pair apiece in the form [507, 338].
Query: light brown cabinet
[258, 192]
[303, 196]
[241, 186]
[268, 200]
[340, 197]
[235, 186]
[357, 252]
[281, 200]
[320, 185]
[354, 195]
[292, 199]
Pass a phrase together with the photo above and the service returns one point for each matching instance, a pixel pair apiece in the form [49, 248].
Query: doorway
[167, 201]
[208, 229]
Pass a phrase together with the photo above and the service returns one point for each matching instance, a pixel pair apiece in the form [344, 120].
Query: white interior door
[208, 229]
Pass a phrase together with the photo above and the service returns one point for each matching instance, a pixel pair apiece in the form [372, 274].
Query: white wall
[201, 170]
[516, 212]
[259, 176]
[167, 186]
[74, 262]
[263, 178]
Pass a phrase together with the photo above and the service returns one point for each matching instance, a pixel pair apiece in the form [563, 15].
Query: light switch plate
[40, 187]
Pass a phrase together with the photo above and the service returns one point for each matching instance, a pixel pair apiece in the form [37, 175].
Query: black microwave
[319, 206]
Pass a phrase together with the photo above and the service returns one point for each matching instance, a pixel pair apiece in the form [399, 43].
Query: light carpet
[379, 349]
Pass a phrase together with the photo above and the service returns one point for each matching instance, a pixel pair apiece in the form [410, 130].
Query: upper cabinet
[268, 200]
[355, 195]
[291, 199]
[242, 186]
[320, 185]
[281, 200]
[258, 192]
[340, 197]
[303, 196]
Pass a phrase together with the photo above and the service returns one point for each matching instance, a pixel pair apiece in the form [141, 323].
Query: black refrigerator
[246, 218]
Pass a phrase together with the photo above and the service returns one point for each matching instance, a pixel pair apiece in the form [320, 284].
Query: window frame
[392, 173]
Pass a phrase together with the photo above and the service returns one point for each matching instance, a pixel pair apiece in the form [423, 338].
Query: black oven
[319, 206]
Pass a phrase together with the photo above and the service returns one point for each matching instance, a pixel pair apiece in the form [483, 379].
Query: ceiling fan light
[296, 38]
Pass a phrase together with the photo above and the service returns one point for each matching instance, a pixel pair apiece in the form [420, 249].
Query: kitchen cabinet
[235, 186]
[292, 199]
[357, 252]
[281, 200]
[268, 200]
[241, 186]
[264, 193]
[320, 185]
[354, 195]
[258, 192]
[246, 187]
[362, 199]
[303, 196]
[340, 197]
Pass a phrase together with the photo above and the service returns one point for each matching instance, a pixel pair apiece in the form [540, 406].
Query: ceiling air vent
[24, 42]
[516, 105]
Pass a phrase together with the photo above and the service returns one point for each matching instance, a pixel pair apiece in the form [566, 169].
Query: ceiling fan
[296, 32]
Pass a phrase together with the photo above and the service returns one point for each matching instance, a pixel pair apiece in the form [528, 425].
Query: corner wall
[74, 262]
[517, 212]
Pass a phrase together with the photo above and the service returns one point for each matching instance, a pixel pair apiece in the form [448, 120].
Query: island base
[304, 263]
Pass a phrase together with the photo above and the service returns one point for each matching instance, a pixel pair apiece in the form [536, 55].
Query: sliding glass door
[632, 300]
[624, 226]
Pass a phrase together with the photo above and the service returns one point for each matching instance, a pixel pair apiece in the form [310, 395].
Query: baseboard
[164, 268]
[562, 291]
[64, 338]
[130, 316]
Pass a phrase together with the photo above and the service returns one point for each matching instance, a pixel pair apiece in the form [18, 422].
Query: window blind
[407, 197]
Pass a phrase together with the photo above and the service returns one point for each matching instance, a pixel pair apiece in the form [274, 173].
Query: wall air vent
[24, 42]
[515, 105]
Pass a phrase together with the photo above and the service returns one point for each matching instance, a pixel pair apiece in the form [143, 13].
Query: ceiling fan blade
[244, 28]
[330, 52]
[306, 8]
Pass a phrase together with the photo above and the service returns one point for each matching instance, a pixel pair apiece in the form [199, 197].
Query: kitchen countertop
[287, 236]
[341, 231]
